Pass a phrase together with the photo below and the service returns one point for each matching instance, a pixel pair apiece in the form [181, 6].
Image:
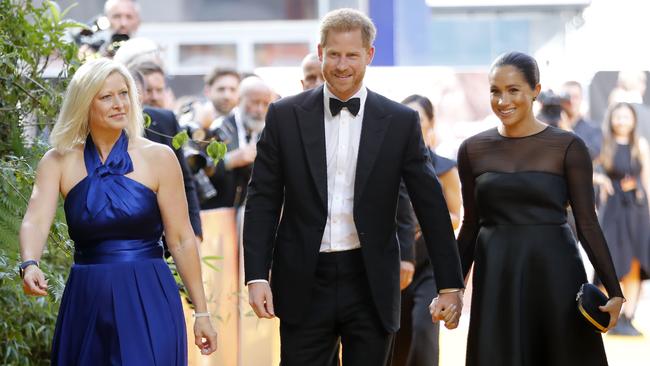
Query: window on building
[280, 54]
[200, 55]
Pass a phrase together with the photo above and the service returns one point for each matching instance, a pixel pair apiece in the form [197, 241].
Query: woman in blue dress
[121, 305]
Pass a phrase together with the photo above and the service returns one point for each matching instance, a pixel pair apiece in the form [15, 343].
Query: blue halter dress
[121, 305]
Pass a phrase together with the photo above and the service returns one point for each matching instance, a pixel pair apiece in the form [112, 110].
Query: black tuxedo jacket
[163, 122]
[231, 185]
[289, 181]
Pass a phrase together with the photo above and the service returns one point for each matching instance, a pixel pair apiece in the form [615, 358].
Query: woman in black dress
[625, 216]
[517, 180]
[416, 343]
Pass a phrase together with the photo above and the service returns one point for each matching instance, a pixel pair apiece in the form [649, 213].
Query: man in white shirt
[320, 216]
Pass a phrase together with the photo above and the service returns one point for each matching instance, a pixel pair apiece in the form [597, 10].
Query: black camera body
[98, 38]
[552, 106]
[200, 164]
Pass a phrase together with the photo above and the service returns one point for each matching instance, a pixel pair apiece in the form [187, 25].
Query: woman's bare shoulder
[152, 151]
[62, 157]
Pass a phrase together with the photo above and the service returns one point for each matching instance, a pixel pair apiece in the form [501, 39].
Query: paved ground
[621, 351]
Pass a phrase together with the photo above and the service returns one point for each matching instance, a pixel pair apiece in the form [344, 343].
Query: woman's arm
[181, 240]
[470, 227]
[38, 219]
[450, 182]
[579, 174]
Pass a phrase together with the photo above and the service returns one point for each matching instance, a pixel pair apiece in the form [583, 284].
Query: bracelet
[449, 290]
[23, 266]
[201, 315]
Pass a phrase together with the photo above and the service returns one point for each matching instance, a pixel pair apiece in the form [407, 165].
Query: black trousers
[416, 342]
[340, 311]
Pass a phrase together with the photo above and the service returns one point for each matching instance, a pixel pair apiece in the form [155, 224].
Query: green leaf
[216, 150]
[54, 11]
[147, 120]
[180, 139]
[211, 258]
[67, 23]
[67, 10]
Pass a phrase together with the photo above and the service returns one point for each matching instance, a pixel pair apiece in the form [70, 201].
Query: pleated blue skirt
[125, 313]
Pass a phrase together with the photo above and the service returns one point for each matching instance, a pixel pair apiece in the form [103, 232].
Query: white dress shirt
[342, 136]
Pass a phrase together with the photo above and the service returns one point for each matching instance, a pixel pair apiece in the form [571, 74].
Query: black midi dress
[527, 266]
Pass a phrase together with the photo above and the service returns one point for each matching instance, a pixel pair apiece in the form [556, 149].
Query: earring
[534, 99]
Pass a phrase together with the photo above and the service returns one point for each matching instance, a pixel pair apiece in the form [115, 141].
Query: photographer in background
[573, 120]
[123, 18]
[240, 131]
[222, 93]
[550, 107]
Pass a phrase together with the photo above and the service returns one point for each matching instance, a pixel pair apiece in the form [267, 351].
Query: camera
[552, 106]
[97, 38]
[200, 164]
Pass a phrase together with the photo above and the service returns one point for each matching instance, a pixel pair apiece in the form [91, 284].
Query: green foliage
[147, 120]
[180, 139]
[27, 322]
[209, 259]
[31, 44]
[216, 150]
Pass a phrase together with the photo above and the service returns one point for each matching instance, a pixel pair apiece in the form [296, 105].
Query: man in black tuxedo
[320, 216]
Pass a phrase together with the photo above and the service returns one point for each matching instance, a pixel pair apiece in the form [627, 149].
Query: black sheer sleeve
[470, 226]
[578, 172]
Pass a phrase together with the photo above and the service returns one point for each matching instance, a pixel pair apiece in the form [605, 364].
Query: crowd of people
[349, 213]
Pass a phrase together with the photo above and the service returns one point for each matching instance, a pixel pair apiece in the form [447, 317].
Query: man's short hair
[147, 68]
[572, 83]
[137, 76]
[219, 72]
[345, 20]
[109, 4]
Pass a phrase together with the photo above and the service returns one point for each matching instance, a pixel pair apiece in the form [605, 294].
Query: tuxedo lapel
[311, 123]
[375, 124]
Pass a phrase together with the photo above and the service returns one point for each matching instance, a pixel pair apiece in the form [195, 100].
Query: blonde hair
[345, 20]
[72, 127]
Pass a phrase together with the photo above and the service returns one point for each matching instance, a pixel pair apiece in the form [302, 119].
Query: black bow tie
[353, 105]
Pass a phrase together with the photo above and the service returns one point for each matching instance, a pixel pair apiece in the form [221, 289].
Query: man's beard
[253, 124]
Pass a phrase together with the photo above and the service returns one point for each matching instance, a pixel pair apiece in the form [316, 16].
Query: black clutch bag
[589, 298]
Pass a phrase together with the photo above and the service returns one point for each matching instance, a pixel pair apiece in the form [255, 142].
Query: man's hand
[241, 157]
[406, 271]
[447, 307]
[261, 299]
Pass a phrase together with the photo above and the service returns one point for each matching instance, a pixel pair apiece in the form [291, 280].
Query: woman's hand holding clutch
[613, 307]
